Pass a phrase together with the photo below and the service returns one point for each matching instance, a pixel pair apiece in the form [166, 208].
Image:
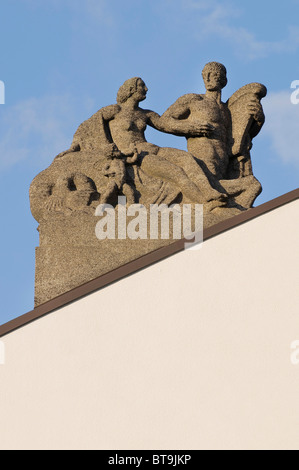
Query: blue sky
[62, 60]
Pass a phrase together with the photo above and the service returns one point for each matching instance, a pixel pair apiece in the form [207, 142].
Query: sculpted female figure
[121, 127]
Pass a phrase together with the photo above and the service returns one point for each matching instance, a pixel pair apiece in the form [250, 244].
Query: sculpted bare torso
[127, 128]
[212, 146]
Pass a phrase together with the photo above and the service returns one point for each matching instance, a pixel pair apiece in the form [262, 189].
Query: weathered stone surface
[110, 157]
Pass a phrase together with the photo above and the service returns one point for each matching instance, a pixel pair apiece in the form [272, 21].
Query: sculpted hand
[200, 130]
[131, 150]
[132, 155]
[206, 130]
[54, 203]
[255, 109]
[111, 150]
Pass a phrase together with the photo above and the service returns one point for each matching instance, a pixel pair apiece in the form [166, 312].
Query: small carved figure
[115, 171]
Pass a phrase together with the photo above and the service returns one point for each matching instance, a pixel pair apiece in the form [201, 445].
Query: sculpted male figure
[225, 131]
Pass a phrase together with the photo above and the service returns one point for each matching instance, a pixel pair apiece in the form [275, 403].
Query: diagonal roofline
[141, 263]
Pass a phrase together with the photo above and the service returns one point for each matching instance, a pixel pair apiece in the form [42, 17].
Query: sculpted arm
[105, 115]
[176, 120]
[168, 125]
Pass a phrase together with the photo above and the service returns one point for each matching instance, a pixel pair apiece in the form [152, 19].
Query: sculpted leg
[157, 166]
[111, 190]
[129, 193]
[186, 161]
[243, 190]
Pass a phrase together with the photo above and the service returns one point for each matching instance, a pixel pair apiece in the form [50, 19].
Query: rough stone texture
[110, 157]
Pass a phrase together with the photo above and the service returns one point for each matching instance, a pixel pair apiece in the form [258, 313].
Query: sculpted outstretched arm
[168, 125]
[178, 125]
[173, 120]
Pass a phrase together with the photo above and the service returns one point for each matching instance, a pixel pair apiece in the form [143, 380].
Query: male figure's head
[214, 76]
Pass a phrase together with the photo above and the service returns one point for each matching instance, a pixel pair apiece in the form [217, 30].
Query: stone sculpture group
[110, 157]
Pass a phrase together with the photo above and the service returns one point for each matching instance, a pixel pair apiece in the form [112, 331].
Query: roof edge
[141, 263]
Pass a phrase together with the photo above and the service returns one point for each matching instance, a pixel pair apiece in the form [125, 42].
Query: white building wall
[191, 353]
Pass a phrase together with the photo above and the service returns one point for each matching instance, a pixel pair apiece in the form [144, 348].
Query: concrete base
[70, 254]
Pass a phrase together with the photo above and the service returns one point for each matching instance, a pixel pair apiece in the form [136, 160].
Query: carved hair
[127, 90]
[214, 66]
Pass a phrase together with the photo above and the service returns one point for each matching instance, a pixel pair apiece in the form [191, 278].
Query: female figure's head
[132, 87]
